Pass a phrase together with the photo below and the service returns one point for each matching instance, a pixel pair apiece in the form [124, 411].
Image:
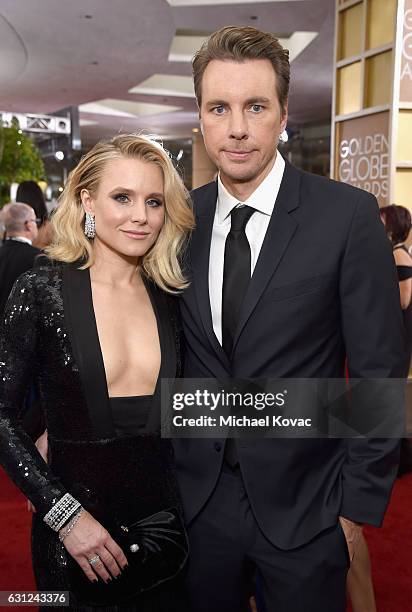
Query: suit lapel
[168, 363]
[281, 228]
[82, 330]
[205, 204]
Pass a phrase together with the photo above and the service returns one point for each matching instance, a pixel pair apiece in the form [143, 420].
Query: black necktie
[236, 274]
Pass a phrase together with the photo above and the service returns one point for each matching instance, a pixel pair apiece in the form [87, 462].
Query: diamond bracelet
[73, 521]
[60, 513]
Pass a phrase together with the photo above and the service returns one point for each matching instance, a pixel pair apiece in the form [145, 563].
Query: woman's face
[128, 207]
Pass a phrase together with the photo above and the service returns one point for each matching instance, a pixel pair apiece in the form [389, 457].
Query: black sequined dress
[117, 466]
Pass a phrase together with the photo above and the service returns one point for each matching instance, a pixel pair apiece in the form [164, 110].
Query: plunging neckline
[158, 328]
[82, 329]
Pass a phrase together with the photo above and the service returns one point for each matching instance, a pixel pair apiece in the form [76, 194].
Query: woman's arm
[405, 291]
[42, 446]
[405, 286]
[18, 355]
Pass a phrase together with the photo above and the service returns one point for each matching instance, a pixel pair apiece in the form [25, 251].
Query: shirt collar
[262, 199]
[20, 239]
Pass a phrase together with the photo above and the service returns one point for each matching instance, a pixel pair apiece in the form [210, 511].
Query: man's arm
[375, 347]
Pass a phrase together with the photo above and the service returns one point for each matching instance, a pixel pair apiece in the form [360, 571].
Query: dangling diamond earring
[89, 226]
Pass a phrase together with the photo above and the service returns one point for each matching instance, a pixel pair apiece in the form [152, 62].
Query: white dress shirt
[263, 201]
[20, 239]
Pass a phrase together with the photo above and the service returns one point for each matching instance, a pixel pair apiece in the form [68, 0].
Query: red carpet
[390, 547]
[390, 550]
[15, 561]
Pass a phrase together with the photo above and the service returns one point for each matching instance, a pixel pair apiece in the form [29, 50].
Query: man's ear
[87, 201]
[284, 118]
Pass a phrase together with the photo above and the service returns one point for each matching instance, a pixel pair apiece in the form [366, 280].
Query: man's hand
[353, 532]
[42, 446]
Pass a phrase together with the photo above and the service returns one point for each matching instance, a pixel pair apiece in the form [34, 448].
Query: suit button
[217, 446]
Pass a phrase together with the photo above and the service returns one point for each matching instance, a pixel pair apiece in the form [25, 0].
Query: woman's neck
[112, 268]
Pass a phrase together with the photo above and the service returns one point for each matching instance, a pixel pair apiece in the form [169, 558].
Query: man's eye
[154, 203]
[122, 198]
[219, 110]
[256, 108]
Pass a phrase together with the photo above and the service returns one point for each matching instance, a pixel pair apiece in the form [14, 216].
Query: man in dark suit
[17, 254]
[291, 275]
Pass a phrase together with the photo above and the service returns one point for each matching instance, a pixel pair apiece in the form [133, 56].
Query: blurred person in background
[17, 254]
[30, 193]
[97, 329]
[2, 230]
[397, 222]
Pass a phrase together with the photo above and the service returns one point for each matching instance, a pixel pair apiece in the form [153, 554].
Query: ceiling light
[126, 108]
[166, 85]
[59, 155]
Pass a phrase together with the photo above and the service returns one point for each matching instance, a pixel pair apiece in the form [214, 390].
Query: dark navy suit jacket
[324, 291]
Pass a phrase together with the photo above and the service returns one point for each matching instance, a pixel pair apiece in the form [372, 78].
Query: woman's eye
[154, 203]
[122, 198]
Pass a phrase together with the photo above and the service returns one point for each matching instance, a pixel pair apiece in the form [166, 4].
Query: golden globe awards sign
[406, 64]
[363, 154]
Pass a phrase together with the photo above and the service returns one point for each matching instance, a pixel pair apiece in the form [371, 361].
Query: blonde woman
[97, 330]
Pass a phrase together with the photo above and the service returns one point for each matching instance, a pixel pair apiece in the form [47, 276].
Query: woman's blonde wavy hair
[162, 262]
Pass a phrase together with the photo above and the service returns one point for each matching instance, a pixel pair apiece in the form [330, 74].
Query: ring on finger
[93, 560]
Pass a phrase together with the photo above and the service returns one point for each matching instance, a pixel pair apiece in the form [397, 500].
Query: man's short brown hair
[239, 44]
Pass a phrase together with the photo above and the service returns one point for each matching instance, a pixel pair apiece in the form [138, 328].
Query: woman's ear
[87, 201]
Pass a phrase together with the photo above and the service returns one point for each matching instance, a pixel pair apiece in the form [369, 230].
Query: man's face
[241, 119]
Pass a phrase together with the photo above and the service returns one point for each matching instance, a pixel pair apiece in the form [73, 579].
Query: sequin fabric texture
[122, 478]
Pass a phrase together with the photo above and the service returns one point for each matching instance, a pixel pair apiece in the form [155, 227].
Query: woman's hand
[41, 445]
[89, 539]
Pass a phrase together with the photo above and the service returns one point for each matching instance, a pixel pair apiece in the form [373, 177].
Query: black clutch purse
[156, 548]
